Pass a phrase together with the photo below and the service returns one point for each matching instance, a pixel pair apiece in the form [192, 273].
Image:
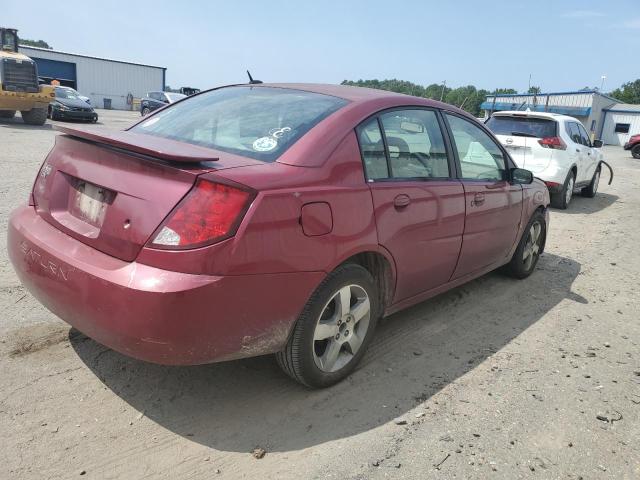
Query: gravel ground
[496, 379]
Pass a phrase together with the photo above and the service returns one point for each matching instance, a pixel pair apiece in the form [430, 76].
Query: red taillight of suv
[210, 212]
[556, 143]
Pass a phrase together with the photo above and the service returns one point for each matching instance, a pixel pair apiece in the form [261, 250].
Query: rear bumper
[554, 177]
[152, 314]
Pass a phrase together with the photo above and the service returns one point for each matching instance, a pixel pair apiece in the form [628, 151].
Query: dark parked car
[634, 145]
[284, 219]
[69, 105]
[155, 100]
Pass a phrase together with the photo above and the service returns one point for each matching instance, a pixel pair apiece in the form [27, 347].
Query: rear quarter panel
[271, 238]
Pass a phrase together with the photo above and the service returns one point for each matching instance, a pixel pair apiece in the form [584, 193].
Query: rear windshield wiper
[522, 134]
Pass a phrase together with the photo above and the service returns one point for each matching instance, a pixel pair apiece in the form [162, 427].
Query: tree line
[469, 97]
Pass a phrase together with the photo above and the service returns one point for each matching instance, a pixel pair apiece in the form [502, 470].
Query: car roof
[359, 94]
[545, 115]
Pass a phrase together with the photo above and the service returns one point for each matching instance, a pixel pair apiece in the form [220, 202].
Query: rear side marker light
[555, 143]
[210, 212]
[552, 184]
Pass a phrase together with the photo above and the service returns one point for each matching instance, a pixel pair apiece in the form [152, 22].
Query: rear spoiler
[157, 147]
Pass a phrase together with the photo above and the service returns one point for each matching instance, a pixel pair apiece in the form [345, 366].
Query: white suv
[555, 148]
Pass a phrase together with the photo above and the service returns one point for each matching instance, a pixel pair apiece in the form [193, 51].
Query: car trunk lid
[111, 190]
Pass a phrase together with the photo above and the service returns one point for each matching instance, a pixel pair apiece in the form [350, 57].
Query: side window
[573, 132]
[372, 149]
[415, 144]
[584, 136]
[480, 157]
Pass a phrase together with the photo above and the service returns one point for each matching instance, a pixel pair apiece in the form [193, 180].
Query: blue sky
[564, 45]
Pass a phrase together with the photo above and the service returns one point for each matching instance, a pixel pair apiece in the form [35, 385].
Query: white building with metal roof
[108, 83]
[621, 120]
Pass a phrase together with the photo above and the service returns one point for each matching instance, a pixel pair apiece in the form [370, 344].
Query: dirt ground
[497, 379]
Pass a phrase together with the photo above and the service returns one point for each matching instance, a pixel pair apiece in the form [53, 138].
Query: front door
[419, 207]
[493, 205]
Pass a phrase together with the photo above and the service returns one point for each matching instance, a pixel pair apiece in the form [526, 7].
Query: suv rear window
[256, 122]
[525, 126]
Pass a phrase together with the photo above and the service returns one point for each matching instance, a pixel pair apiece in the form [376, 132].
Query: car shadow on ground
[580, 204]
[17, 123]
[236, 406]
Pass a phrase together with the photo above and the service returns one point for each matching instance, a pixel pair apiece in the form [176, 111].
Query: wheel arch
[379, 263]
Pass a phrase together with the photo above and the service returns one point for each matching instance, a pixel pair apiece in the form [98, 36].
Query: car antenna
[251, 80]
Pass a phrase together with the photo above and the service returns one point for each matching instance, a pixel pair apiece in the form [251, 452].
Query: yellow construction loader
[19, 86]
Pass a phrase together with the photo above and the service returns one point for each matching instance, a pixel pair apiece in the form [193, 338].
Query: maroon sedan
[258, 219]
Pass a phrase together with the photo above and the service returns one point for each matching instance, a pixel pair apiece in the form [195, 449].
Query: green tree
[35, 43]
[534, 90]
[629, 92]
[504, 91]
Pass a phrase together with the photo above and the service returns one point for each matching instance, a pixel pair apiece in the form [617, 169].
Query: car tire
[531, 246]
[562, 198]
[330, 337]
[35, 116]
[145, 111]
[635, 151]
[8, 114]
[591, 190]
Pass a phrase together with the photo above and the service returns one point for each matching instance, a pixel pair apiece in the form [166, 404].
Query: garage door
[65, 72]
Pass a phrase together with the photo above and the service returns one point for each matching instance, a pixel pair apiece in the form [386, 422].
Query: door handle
[588, 153]
[401, 201]
[578, 150]
[478, 199]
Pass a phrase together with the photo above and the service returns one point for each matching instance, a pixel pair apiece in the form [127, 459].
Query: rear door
[589, 157]
[493, 204]
[577, 150]
[419, 207]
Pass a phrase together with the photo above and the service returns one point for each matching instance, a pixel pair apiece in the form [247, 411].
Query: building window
[622, 127]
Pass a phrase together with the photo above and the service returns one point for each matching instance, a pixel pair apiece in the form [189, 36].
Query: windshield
[67, 93]
[8, 41]
[257, 122]
[174, 97]
[523, 126]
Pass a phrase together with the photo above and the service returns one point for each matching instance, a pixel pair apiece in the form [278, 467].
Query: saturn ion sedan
[271, 219]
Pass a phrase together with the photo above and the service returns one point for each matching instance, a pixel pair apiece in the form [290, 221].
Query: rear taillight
[209, 213]
[555, 143]
[39, 185]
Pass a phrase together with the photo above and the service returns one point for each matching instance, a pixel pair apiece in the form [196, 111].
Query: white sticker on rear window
[265, 144]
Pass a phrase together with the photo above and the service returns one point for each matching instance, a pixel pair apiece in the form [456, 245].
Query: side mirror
[597, 143]
[521, 176]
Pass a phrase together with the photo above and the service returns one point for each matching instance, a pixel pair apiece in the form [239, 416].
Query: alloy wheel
[341, 328]
[532, 248]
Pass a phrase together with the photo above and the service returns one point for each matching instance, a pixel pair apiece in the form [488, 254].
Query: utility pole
[603, 78]
[444, 84]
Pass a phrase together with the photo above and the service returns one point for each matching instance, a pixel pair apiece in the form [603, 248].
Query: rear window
[256, 122]
[525, 126]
